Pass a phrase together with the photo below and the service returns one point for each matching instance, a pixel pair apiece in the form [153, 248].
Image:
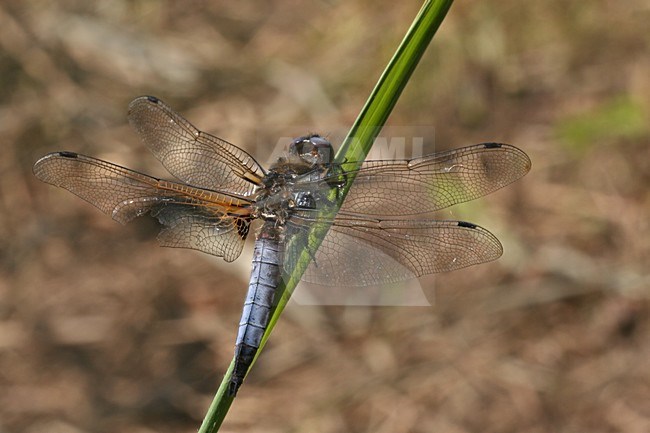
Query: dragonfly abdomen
[265, 277]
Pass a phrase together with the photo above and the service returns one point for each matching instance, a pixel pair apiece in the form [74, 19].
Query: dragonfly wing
[363, 252]
[191, 218]
[434, 182]
[191, 227]
[194, 157]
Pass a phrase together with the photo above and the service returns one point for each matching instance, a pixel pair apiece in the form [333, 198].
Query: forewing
[434, 182]
[191, 218]
[364, 252]
[195, 157]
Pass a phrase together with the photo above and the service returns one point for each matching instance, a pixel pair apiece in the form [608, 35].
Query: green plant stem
[351, 155]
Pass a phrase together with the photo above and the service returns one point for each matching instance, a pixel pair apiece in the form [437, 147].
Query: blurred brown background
[103, 331]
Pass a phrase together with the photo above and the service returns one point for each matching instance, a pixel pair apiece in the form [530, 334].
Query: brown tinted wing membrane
[192, 217]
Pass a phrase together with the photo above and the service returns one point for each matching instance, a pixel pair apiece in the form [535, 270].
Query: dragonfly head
[312, 149]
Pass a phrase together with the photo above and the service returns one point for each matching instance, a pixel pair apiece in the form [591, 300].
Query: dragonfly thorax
[307, 159]
[274, 202]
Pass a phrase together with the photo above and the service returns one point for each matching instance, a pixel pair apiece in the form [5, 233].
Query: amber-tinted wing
[433, 182]
[208, 221]
[363, 252]
[195, 157]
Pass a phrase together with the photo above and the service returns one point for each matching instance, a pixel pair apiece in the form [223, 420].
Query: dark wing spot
[492, 145]
[243, 225]
[153, 99]
[67, 154]
[466, 225]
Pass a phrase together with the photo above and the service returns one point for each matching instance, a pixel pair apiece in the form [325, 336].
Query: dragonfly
[384, 231]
